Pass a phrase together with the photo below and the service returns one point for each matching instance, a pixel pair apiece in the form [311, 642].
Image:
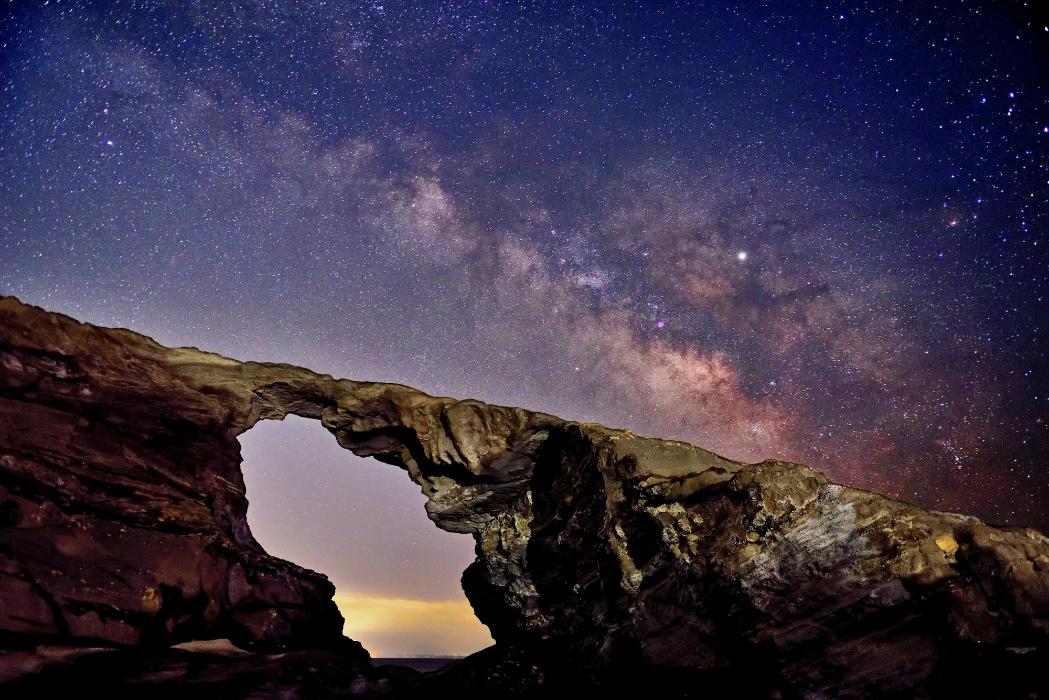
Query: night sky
[811, 231]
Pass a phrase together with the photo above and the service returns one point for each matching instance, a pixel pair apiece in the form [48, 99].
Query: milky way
[807, 231]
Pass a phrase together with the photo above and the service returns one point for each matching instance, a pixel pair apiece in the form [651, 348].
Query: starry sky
[815, 231]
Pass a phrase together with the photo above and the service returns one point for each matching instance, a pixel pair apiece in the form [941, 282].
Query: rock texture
[602, 557]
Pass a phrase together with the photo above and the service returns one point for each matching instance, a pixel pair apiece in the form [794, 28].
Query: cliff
[603, 557]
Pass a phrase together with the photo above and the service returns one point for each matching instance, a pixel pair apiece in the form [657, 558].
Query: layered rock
[602, 556]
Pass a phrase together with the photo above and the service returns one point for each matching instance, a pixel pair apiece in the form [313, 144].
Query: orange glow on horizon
[401, 627]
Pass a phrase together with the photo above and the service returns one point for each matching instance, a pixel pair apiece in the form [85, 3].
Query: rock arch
[601, 555]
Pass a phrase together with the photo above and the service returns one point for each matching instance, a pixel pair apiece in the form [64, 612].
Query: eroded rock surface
[602, 557]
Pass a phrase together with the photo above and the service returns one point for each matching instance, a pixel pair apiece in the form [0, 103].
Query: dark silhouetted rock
[603, 558]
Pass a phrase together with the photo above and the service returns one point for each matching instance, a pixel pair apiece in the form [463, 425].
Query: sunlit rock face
[602, 557]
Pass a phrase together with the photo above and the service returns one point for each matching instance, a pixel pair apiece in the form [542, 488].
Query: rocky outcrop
[602, 557]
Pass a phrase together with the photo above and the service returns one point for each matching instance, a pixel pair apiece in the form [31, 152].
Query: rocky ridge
[603, 557]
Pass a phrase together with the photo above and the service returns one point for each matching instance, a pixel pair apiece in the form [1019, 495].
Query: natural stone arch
[472, 462]
[601, 556]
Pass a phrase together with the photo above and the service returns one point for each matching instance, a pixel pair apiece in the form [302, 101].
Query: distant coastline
[423, 664]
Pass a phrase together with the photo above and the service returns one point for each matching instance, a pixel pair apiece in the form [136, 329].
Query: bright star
[741, 255]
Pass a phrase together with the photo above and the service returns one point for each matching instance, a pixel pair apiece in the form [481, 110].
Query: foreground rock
[602, 557]
[196, 669]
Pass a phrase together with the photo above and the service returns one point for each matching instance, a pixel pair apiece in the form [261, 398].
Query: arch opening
[363, 524]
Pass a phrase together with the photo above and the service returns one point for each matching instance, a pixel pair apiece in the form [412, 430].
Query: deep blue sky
[815, 231]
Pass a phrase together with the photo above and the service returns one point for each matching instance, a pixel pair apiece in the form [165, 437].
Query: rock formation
[602, 557]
